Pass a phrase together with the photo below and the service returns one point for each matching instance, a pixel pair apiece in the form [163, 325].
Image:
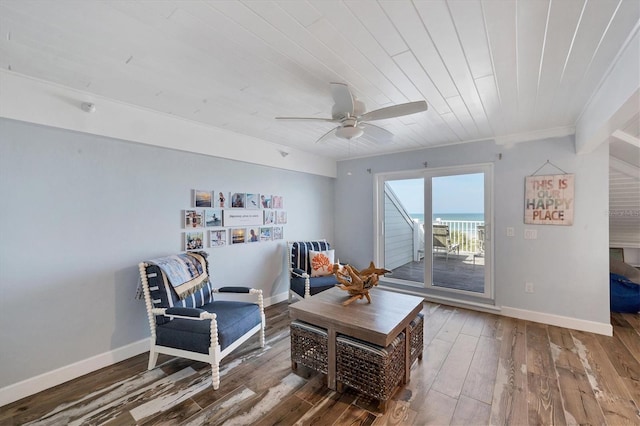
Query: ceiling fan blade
[377, 133]
[327, 135]
[394, 111]
[308, 119]
[342, 97]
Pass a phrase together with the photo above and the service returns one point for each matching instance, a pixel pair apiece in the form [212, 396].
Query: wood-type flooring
[477, 369]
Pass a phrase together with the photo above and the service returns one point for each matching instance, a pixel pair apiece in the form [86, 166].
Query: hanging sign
[549, 199]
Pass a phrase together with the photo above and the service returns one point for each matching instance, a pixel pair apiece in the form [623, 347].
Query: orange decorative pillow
[321, 262]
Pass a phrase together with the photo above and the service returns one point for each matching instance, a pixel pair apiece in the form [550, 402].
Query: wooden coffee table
[379, 323]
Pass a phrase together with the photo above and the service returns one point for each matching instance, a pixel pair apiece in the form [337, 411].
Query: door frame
[427, 175]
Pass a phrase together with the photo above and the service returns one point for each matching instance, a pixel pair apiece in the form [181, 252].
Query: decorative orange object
[358, 283]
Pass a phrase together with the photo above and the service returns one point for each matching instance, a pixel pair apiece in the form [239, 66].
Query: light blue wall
[568, 265]
[78, 213]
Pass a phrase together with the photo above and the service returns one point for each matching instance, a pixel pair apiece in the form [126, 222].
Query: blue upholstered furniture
[187, 321]
[302, 284]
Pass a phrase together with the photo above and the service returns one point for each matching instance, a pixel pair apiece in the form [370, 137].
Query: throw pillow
[321, 262]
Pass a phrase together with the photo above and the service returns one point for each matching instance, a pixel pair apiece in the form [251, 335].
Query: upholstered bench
[373, 370]
[309, 346]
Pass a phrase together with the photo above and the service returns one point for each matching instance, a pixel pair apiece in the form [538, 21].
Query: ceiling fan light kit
[349, 132]
[352, 119]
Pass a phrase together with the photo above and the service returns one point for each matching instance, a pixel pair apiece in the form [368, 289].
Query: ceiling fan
[352, 118]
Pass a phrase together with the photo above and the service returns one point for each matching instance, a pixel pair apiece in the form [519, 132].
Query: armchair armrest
[185, 313]
[241, 290]
[299, 273]
[233, 290]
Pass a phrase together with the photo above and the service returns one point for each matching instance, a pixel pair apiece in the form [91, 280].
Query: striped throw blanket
[185, 272]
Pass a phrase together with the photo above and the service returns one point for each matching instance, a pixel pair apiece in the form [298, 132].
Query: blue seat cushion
[234, 320]
[316, 284]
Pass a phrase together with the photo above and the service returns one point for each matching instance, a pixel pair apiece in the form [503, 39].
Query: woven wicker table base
[373, 370]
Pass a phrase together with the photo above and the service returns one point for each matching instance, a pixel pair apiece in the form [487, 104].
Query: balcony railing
[469, 235]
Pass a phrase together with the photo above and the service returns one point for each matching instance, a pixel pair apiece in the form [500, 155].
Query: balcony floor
[457, 272]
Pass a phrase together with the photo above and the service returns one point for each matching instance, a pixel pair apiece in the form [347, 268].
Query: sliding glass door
[434, 229]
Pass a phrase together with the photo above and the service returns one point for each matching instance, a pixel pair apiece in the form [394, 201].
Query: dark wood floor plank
[355, 415]
[329, 410]
[83, 390]
[627, 334]
[398, 413]
[610, 390]
[579, 400]
[509, 404]
[223, 409]
[622, 359]
[286, 412]
[539, 359]
[176, 415]
[544, 400]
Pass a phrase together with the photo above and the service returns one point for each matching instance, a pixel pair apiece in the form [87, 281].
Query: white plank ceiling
[487, 68]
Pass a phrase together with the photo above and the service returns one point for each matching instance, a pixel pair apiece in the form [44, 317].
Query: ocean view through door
[434, 231]
[458, 228]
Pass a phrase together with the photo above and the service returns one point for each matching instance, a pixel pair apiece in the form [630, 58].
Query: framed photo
[277, 232]
[265, 201]
[217, 237]
[201, 198]
[281, 217]
[253, 201]
[194, 240]
[276, 202]
[238, 200]
[253, 235]
[193, 219]
[220, 200]
[265, 234]
[269, 217]
[212, 217]
[238, 235]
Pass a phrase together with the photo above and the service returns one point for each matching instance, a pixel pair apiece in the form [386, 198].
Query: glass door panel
[403, 242]
[458, 213]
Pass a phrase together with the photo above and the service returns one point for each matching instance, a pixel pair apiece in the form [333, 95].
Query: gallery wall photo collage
[219, 218]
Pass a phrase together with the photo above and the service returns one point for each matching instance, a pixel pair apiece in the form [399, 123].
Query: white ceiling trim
[537, 135]
[615, 103]
[626, 137]
[37, 101]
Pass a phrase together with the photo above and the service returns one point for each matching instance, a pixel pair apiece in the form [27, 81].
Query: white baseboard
[60, 375]
[268, 301]
[559, 320]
